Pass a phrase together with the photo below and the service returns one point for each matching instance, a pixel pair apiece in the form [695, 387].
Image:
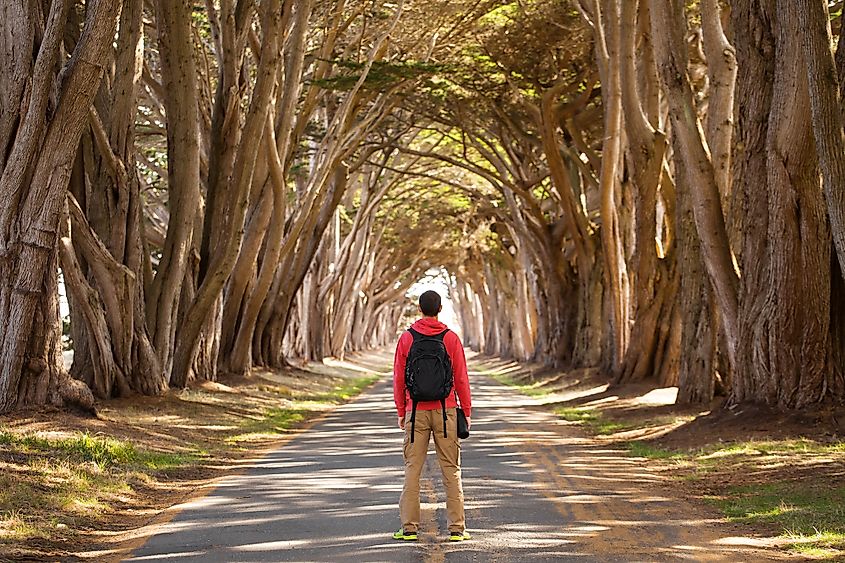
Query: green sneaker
[459, 536]
[403, 535]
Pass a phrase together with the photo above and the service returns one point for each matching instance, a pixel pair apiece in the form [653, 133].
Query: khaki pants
[448, 454]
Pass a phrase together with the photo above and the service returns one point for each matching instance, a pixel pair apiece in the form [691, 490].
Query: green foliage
[381, 76]
[199, 17]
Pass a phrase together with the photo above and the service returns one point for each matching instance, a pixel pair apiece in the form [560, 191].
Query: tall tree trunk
[241, 358]
[668, 21]
[275, 318]
[755, 53]
[826, 105]
[226, 253]
[178, 69]
[788, 301]
[721, 76]
[607, 55]
[652, 279]
[33, 187]
[697, 369]
[107, 237]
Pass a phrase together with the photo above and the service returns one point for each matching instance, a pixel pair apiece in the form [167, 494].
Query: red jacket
[430, 326]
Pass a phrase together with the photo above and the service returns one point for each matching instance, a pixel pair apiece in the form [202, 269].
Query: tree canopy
[651, 188]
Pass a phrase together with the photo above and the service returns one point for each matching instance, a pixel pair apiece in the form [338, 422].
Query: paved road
[534, 491]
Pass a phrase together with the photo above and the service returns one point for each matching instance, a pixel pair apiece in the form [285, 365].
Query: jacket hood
[429, 326]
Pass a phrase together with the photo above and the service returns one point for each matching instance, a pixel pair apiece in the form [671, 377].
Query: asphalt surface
[535, 491]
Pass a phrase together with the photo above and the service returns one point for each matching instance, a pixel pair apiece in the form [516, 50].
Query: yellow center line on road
[428, 517]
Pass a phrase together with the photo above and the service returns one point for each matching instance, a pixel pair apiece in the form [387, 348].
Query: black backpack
[428, 373]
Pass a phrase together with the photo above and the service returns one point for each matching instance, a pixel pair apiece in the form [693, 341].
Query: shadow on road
[535, 490]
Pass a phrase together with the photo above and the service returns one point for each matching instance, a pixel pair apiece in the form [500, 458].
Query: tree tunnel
[244, 184]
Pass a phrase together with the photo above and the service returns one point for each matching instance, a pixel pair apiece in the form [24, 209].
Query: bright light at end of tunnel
[437, 279]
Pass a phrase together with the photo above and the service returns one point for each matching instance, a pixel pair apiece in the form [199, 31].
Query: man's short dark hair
[430, 303]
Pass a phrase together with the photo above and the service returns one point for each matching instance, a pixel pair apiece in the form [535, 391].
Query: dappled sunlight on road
[535, 491]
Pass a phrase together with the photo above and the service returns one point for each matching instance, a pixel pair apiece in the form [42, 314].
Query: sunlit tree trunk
[667, 22]
[38, 151]
[176, 48]
[652, 278]
[786, 300]
[607, 47]
[112, 349]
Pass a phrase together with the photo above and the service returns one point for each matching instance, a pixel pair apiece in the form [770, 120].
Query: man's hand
[402, 423]
[469, 423]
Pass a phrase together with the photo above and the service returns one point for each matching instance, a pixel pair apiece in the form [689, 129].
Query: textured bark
[755, 50]
[243, 274]
[560, 175]
[179, 76]
[276, 313]
[667, 23]
[226, 252]
[278, 150]
[787, 303]
[823, 82]
[226, 126]
[107, 236]
[106, 373]
[607, 54]
[16, 47]
[646, 148]
[697, 368]
[33, 186]
[721, 77]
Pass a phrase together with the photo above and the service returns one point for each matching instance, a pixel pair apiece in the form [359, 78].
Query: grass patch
[595, 421]
[641, 449]
[772, 447]
[730, 453]
[341, 393]
[279, 420]
[102, 451]
[811, 516]
[274, 422]
[780, 489]
[535, 389]
[570, 414]
[14, 527]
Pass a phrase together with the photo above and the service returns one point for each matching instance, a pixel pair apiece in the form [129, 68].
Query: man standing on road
[428, 337]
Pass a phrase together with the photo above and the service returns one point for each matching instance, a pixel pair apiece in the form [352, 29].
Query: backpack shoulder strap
[441, 335]
[414, 333]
